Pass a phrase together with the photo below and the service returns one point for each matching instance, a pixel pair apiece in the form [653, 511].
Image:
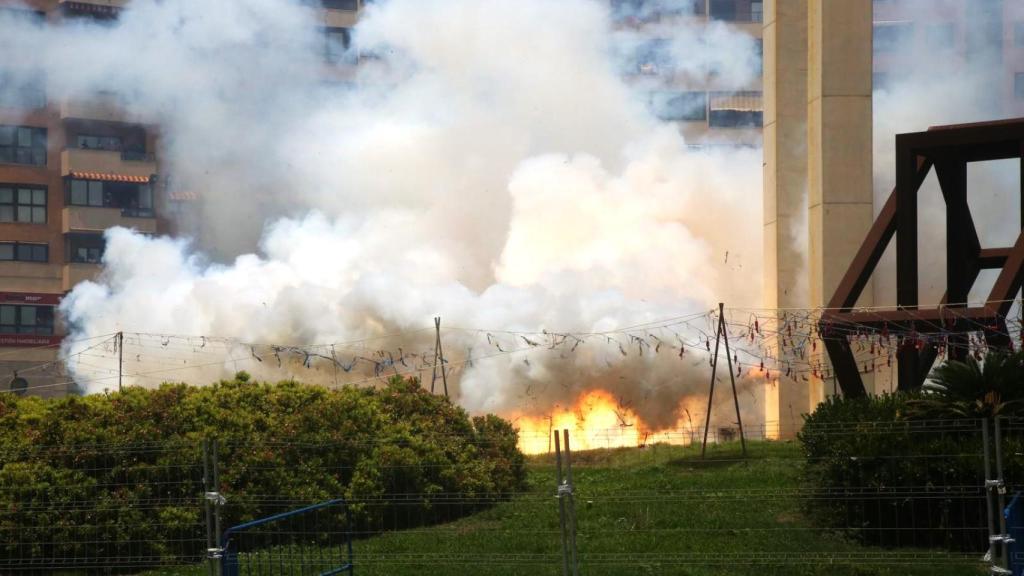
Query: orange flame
[597, 420]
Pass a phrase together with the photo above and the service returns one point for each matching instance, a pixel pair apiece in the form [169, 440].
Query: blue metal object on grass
[300, 552]
[1014, 514]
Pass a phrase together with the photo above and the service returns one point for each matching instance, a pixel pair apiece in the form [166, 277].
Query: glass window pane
[6, 251]
[24, 213]
[79, 192]
[24, 252]
[24, 196]
[6, 195]
[6, 213]
[25, 137]
[145, 197]
[40, 253]
[8, 315]
[28, 315]
[6, 135]
[95, 193]
[39, 156]
[39, 197]
[38, 215]
[39, 138]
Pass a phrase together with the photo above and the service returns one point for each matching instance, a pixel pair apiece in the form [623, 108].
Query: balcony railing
[97, 219]
[135, 156]
[107, 161]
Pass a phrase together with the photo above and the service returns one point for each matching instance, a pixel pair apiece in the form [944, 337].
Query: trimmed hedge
[121, 475]
[894, 480]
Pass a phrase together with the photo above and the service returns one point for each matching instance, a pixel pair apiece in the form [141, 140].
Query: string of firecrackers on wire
[793, 342]
[380, 361]
[645, 341]
[789, 344]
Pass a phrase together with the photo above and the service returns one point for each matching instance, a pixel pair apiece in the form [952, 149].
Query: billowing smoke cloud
[946, 69]
[486, 163]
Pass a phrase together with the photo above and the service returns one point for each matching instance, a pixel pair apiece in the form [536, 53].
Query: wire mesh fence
[912, 496]
[99, 506]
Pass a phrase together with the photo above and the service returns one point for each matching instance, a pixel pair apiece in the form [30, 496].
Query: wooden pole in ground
[438, 358]
[120, 360]
[724, 331]
[711, 391]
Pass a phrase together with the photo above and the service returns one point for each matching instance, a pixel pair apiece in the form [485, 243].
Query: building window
[759, 53]
[1018, 85]
[888, 36]
[735, 110]
[940, 36]
[85, 248]
[23, 145]
[22, 90]
[134, 200]
[337, 41]
[722, 9]
[653, 57]
[736, 10]
[679, 106]
[16, 319]
[340, 4]
[22, 204]
[90, 142]
[24, 252]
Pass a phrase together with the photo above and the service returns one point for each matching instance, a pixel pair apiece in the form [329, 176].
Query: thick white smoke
[486, 163]
[945, 67]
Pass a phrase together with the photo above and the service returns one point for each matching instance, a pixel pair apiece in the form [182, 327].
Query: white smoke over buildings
[487, 164]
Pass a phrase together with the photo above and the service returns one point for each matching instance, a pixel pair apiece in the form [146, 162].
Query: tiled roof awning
[111, 177]
[87, 7]
[740, 101]
[183, 196]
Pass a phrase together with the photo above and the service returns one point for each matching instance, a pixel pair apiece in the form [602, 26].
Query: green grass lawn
[659, 510]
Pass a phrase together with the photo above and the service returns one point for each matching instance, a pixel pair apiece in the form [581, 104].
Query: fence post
[211, 536]
[1004, 537]
[561, 504]
[571, 506]
[213, 500]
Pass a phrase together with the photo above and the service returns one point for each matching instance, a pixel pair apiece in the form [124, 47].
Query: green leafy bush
[892, 474]
[121, 475]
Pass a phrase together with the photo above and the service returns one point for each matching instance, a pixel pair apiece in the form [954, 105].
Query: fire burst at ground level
[598, 420]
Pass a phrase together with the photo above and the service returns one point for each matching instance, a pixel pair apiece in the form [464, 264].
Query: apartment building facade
[708, 109]
[70, 169]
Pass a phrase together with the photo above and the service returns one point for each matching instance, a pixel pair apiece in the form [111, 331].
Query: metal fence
[659, 508]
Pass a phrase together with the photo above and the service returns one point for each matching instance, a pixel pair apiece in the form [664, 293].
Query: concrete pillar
[839, 145]
[785, 189]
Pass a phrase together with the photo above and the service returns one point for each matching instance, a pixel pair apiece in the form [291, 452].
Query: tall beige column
[839, 144]
[785, 189]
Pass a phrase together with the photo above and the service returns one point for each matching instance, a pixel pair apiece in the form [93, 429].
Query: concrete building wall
[785, 187]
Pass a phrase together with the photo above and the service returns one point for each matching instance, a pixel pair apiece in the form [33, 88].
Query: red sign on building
[29, 340]
[30, 298]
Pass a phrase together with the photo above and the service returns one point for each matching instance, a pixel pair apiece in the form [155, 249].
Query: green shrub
[886, 470]
[121, 475]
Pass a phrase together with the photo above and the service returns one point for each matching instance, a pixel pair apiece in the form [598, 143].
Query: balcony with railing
[104, 108]
[77, 272]
[99, 218]
[129, 163]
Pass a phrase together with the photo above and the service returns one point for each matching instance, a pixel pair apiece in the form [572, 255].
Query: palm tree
[973, 389]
